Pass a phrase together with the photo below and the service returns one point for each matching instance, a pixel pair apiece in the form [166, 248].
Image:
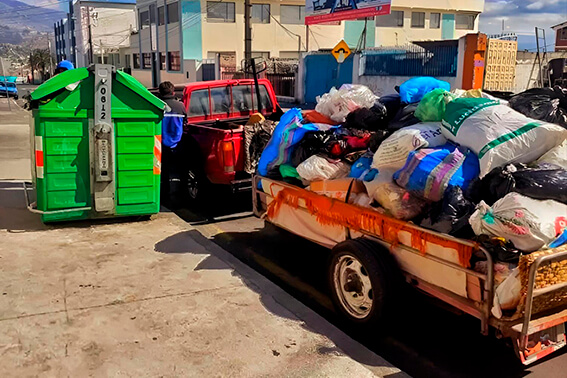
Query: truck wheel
[362, 277]
[195, 184]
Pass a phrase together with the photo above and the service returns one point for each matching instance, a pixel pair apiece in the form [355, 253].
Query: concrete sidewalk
[148, 298]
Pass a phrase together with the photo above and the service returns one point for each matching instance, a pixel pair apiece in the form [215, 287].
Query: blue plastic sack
[414, 89]
[362, 170]
[288, 133]
[429, 172]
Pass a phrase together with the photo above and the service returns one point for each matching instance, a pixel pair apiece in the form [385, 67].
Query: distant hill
[21, 16]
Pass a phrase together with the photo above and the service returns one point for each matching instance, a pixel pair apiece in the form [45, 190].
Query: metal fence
[284, 84]
[437, 58]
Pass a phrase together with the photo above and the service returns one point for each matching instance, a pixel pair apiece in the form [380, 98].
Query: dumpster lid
[59, 82]
[72, 76]
[137, 87]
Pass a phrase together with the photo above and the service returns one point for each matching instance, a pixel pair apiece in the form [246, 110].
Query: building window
[464, 21]
[261, 13]
[417, 19]
[174, 60]
[152, 14]
[292, 14]
[144, 20]
[162, 61]
[136, 59]
[127, 62]
[393, 20]
[434, 20]
[161, 16]
[562, 34]
[172, 12]
[220, 11]
[147, 60]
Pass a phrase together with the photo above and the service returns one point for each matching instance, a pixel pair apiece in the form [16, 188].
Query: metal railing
[411, 60]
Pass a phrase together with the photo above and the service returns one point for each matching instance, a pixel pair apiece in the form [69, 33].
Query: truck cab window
[220, 99]
[199, 103]
[242, 98]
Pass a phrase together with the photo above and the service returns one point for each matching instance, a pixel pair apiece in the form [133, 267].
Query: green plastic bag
[287, 170]
[432, 106]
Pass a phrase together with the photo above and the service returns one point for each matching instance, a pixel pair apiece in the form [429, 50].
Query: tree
[40, 60]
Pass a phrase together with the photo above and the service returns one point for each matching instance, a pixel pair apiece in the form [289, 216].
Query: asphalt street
[427, 338]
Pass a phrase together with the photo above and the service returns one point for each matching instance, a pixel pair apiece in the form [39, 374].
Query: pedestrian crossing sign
[341, 51]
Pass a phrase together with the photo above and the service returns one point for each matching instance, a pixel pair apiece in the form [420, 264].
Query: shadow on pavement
[194, 242]
[15, 217]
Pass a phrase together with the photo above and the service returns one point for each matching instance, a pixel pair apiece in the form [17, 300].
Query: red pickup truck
[213, 141]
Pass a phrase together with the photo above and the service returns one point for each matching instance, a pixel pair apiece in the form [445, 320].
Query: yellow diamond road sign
[341, 51]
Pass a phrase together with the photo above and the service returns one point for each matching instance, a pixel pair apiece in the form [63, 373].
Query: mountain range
[19, 16]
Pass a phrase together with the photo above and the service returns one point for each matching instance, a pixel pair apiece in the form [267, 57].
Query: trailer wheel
[362, 277]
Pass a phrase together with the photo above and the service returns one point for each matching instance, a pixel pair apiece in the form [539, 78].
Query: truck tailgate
[223, 151]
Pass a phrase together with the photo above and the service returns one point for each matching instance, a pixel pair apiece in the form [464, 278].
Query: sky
[521, 17]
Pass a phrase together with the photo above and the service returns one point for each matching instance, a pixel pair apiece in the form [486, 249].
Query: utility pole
[91, 56]
[50, 56]
[247, 32]
[31, 69]
[5, 84]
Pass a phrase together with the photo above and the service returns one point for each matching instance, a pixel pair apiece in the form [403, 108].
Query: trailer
[372, 253]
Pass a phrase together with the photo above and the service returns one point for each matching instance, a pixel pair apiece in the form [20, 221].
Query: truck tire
[196, 184]
[363, 278]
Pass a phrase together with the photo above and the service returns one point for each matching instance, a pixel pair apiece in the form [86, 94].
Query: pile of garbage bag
[457, 162]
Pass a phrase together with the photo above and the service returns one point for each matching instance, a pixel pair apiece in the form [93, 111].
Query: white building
[176, 35]
[102, 28]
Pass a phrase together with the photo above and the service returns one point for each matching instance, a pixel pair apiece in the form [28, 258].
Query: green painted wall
[192, 30]
[353, 30]
[448, 26]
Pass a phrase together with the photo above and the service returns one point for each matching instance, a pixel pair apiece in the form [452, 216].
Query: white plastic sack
[398, 201]
[393, 152]
[317, 168]
[498, 134]
[507, 295]
[337, 104]
[556, 156]
[528, 223]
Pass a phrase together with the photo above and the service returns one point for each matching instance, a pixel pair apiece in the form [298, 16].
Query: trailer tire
[363, 280]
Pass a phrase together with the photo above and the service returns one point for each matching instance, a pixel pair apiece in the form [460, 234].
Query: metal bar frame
[36, 211]
[532, 292]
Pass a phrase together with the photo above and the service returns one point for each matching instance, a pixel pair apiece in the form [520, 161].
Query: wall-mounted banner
[321, 11]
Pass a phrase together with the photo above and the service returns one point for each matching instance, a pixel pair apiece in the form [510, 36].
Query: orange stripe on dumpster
[39, 157]
[157, 155]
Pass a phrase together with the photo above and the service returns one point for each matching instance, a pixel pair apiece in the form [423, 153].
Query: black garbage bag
[392, 103]
[377, 138]
[500, 249]
[451, 215]
[366, 119]
[404, 117]
[311, 144]
[540, 181]
[545, 104]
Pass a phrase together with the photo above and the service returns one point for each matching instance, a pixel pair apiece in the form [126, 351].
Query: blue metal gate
[322, 72]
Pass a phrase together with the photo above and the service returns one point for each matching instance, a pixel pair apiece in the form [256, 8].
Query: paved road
[426, 341]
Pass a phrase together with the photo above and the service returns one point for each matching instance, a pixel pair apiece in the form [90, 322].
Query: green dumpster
[96, 146]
